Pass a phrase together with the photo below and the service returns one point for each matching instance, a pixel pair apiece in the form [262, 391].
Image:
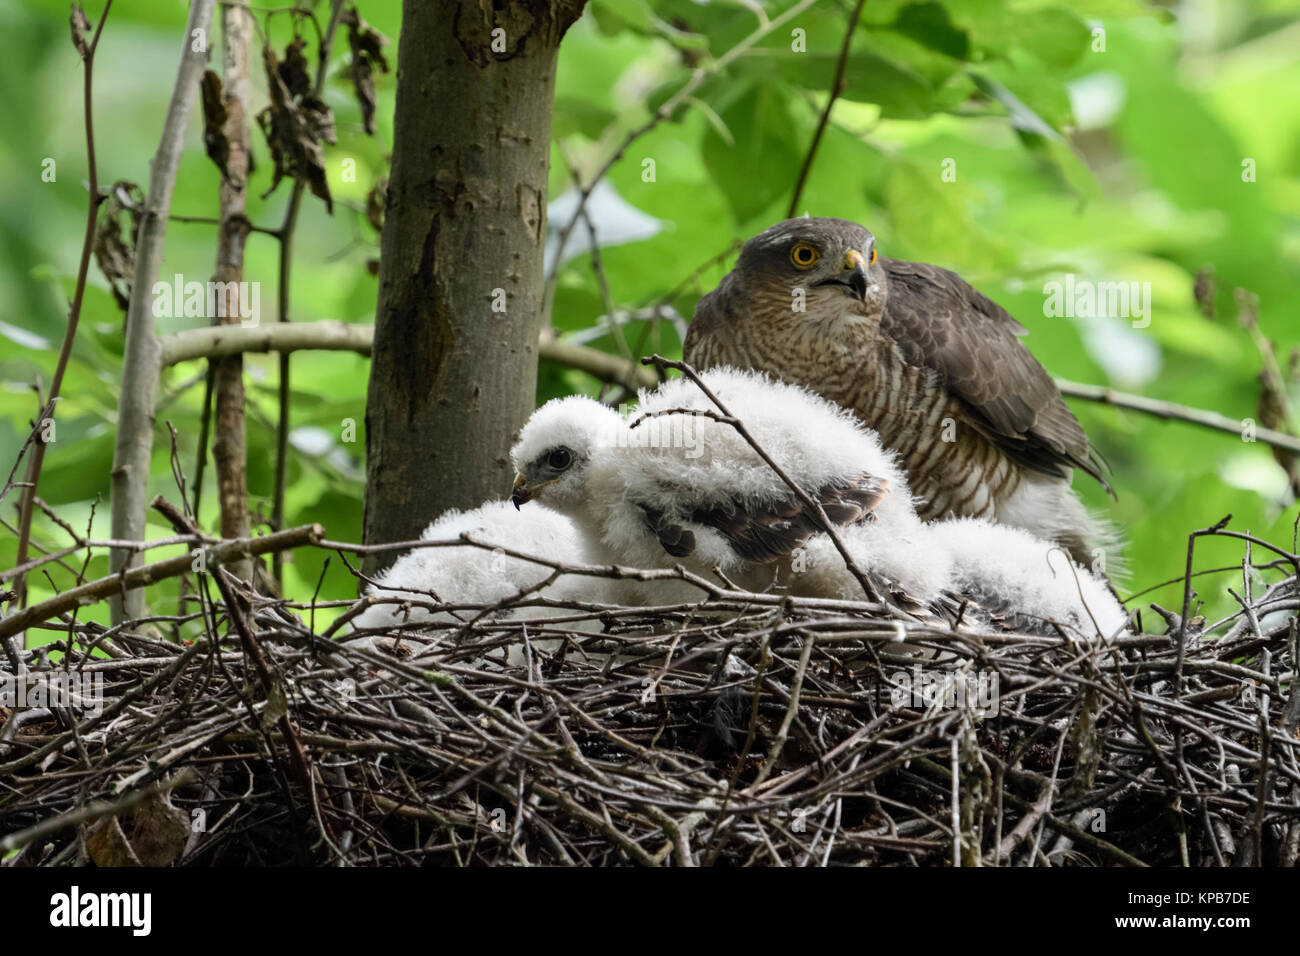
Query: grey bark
[451, 380]
[141, 364]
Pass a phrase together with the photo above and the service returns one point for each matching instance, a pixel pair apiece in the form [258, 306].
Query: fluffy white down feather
[814, 441]
[465, 574]
[1005, 568]
[673, 462]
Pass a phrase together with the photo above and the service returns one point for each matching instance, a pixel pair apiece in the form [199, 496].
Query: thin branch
[334, 336]
[599, 365]
[283, 298]
[146, 574]
[230, 439]
[837, 88]
[141, 369]
[223, 340]
[664, 112]
[1170, 410]
[37, 459]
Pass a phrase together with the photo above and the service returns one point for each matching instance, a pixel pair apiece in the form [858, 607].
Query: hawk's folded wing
[940, 322]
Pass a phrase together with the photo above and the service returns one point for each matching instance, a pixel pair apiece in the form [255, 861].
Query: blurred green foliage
[1011, 141]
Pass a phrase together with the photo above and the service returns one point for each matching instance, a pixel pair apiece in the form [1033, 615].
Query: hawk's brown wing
[766, 532]
[941, 322]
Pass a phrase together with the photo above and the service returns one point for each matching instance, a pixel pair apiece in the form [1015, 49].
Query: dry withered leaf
[277, 705]
[294, 70]
[107, 845]
[295, 128]
[115, 253]
[1274, 413]
[367, 52]
[80, 27]
[215, 116]
[159, 830]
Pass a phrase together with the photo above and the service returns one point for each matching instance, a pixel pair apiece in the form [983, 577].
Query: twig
[284, 299]
[37, 458]
[95, 810]
[664, 112]
[807, 500]
[298, 757]
[140, 576]
[1172, 411]
[141, 370]
[837, 87]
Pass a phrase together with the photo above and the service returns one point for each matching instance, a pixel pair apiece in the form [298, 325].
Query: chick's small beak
[521, 495]
[855, 269]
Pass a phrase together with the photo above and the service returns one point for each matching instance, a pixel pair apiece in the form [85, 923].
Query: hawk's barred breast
[902, 403]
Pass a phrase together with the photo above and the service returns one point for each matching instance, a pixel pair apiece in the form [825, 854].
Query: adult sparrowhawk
[934, 366]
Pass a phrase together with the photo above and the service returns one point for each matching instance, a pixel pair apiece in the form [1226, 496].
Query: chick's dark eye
[559, 459]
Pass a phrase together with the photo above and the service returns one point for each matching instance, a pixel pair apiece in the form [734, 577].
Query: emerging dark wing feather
[940, 322]
[768, 532]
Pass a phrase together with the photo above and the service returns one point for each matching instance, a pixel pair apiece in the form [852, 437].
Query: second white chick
[1029, 583]
[468, 574]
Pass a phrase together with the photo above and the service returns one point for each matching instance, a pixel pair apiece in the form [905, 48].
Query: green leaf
[900, 92]
[1053, 35]
[930, 25]
[762, 164]
[932, 222]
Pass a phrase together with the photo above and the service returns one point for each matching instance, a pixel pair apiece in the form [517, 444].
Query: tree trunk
[453, 372]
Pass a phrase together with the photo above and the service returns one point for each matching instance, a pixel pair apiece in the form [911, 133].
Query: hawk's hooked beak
[521, 495]
[854, 273]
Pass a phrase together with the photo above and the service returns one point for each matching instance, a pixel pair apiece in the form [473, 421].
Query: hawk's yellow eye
[804, 255]
[873, 256]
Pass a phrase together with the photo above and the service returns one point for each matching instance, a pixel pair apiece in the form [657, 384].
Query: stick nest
[729, 732]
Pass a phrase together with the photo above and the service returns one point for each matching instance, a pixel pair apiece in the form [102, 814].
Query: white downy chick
[819, 445]
[1029, 581]
[673, 486]
[467, 574]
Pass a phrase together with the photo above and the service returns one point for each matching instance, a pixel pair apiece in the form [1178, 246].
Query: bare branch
[146, 574]
[141, 367]
[837, 87]
[37, 459]
[1172, 411]
[332, 335]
